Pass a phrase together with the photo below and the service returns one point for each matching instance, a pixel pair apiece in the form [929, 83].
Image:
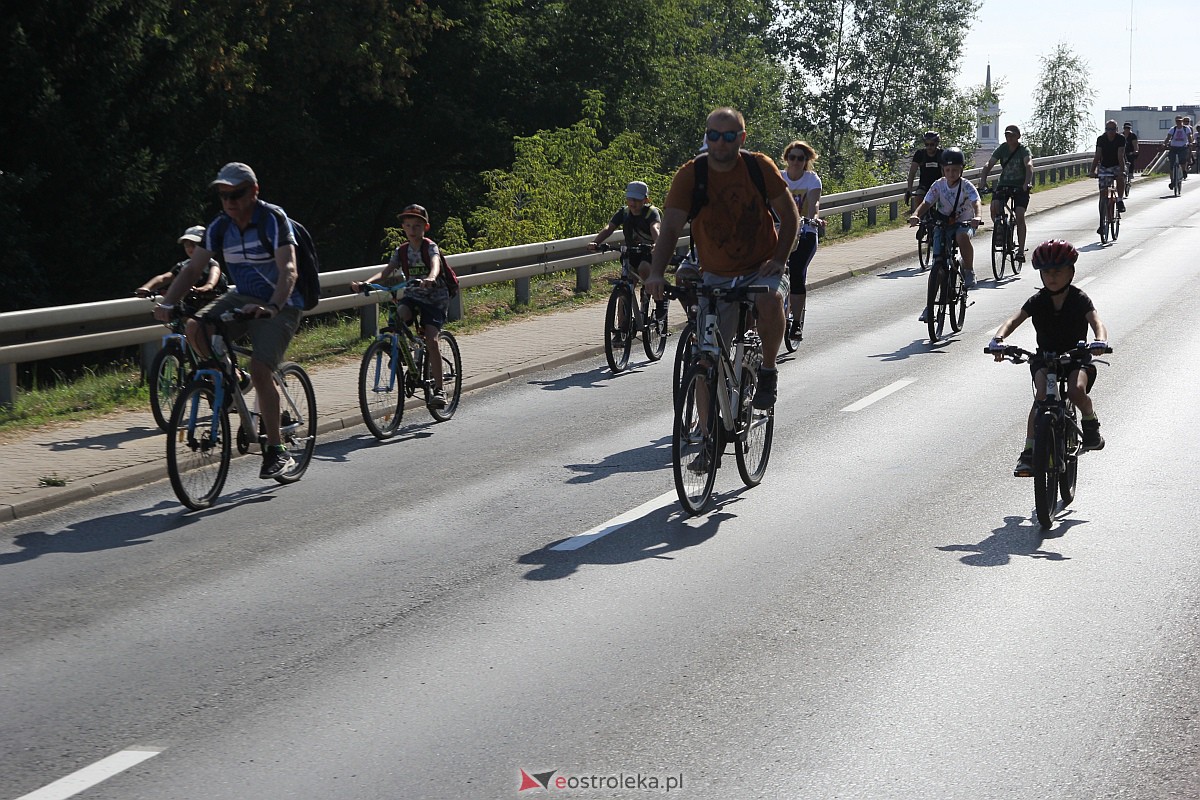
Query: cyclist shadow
[341, 449]
[1017, 537]
[917, 347]
[588, 379]
[100, 533]
[650, 458]
[655, 536]
[108, 441]
[1093, 247]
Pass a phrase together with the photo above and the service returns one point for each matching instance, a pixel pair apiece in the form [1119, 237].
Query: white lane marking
[88, 777]
[1131, 253]
[877, 396]
[1085, 281]
[616, 523]
[1167, 231]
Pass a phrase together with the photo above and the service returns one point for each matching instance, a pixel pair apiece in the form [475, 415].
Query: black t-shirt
[222, 282]
[1131, 143]
[1061, 330]
[637, 228]
[1110, 149]
[931, 166]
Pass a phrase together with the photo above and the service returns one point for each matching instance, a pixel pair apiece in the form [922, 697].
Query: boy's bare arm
[1098, 326]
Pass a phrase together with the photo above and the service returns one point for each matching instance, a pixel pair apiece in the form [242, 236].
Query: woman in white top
[805, 186]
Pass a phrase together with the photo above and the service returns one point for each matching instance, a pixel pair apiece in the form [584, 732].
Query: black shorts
[1036, 363]
[1018, 193]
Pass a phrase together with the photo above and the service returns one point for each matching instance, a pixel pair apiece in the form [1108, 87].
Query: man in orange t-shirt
[734, 233]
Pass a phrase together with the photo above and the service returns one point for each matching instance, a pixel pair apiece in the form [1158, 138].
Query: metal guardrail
[43, 333]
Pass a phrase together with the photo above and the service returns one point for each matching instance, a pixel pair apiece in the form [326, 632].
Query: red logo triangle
[528, 782]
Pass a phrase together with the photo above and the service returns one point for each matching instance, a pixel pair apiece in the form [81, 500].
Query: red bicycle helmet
[1055, 253]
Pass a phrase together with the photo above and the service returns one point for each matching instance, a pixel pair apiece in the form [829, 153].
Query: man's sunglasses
[236, 194]
[729, 136]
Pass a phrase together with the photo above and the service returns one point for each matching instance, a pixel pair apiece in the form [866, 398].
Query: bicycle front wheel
[685, 353]
[380, 390]
[1105, 219]
[791, 335]
[999, 242]
[298, 418]
[956, 291]
[1045, 470]
[198, 447]
[935, 309]
[1177, 177]
[1114, 225]
[753, 446]
[1070, 470]
[167, 376]
[451, 376]
[694, 445]
[924, 246]
[618, 329]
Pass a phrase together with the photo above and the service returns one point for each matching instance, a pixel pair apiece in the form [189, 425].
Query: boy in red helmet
[1061, 316]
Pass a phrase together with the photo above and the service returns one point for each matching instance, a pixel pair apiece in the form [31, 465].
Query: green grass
[330, 338]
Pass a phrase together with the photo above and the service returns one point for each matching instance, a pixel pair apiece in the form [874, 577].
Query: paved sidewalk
[125, 450]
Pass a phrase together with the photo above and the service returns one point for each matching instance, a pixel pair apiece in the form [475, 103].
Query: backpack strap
[700, 189]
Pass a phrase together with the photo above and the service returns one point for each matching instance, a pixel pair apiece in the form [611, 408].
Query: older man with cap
[210, 283]
[258, 247]
[1016, 180]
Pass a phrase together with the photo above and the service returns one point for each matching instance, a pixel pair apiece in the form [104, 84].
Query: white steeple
[987, 129]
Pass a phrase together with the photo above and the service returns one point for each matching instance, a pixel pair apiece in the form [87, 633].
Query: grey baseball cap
[233, 173]
[193, 234]
[637, 190]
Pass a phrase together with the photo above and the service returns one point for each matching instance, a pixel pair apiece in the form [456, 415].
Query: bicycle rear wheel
[956, 292]
[1114, 225]
[753, 445]
[1104, 218]
[924, 245]
[197, 454]
[685, 353]
[935, 311]
[1045, 470]
[654, 328]
[999, 248]
[168, 372]
[618, 328]
[1013, 263]
[791, 337]
[298, 418]
[380, 391]
[451, 376]
[694, 445]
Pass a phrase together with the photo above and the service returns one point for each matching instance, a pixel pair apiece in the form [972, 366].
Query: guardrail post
[455, 310]
[368, 320]
[847, 220]
[148, 351]
[872, 215]
[8, 386]
[522, 291]
[1041, 179]
[894, 210]
[583, 280]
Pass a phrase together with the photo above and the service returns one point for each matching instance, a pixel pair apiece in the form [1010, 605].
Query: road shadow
[906, 272]
[1019, 536]
[588, 379]
[340, 450]
[108, 441]
[656, 535]
[649, 458]
[915, 348]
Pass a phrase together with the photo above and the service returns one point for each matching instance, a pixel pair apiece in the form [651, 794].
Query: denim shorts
[778, 284]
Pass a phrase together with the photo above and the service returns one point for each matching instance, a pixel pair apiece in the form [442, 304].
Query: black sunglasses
[729, 136]
[237, 194]
[797, 157]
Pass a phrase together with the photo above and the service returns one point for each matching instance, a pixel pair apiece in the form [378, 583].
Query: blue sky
[1014, 34]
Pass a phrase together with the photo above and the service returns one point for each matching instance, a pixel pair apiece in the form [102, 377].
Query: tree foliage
[1061, 101]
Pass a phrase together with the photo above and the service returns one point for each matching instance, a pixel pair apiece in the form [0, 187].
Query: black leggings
[799, 260]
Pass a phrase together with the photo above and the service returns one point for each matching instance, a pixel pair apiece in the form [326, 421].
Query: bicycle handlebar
[1081, 353]
[368, 288]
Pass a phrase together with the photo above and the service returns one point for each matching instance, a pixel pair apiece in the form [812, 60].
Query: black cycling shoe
[1092, 440]
[768, 384]
[1024, 467]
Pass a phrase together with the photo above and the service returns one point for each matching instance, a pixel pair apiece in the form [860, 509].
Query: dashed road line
[875, 397]
[89, 776]
[616, 523]
[1131, 253]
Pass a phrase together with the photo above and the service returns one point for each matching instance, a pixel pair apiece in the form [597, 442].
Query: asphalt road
[879, 619]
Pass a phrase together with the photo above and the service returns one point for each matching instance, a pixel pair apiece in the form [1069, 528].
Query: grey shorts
[779, 285]
[269, 338]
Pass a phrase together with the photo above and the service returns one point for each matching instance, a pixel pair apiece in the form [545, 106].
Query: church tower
[987, 127]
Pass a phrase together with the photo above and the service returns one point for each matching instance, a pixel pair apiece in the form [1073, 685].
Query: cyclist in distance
[958, 201]
[805, 185]
[735, 233]
[1131, 148]
[211, 282]
[427, 294]
[640, 222]
[927, 164]
[1187, 123]
[1179, 140]
[1061, 316]
[1110, 159]
[266, 291]
[1016, 179]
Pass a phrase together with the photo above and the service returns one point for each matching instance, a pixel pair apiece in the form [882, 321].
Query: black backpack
[308, 265]
[700, 190]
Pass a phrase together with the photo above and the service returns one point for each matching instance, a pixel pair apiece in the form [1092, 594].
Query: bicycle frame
[400, 332]
[726, 363]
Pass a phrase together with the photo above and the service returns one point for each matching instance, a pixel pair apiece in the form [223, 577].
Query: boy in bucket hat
[210, 284]
[639, 221]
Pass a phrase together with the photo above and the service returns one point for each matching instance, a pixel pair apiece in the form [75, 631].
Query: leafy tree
[1061, 102]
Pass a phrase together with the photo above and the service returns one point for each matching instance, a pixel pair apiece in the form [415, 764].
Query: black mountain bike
[716, 406]
[1110, 213]
[946, 294]
[173, 365]
[1004, 234]
[629, 313]
[1057, 438]
[924, 231]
